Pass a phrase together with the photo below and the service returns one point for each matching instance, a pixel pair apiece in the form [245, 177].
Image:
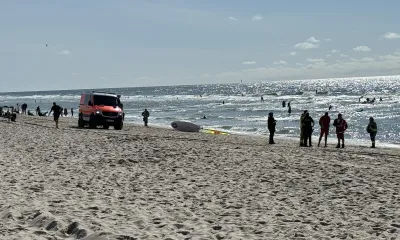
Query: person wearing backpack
[145, 116]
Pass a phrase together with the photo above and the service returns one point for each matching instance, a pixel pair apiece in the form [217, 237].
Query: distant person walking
[146, 116]
[324, 122]
[37, 110]
[289, 109]
[57, 111]
[65, 112]
[341, 127]
[308, 129]
[372, 129]
[72, 112]
[271, 127]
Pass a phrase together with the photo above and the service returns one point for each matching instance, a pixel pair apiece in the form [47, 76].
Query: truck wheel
[92, 123]
[81, 123]
[118, 126]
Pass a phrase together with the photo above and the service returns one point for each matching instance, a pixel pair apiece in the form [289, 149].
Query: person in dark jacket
[341, 127]
[372, 129]
[271, 127]
[57, 110]
[146, 116]
[308, 124]
[303, 115]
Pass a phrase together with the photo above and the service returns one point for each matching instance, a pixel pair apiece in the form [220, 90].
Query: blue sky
[128, 43]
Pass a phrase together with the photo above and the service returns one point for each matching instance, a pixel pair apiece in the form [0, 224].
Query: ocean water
[244, 113]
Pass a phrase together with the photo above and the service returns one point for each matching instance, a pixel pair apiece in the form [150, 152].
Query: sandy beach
[154, 183]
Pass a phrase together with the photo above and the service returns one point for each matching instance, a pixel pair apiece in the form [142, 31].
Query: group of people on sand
[307, 128]
[24, 111]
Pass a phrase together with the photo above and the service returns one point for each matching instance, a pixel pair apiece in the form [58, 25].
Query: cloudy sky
[100, 43]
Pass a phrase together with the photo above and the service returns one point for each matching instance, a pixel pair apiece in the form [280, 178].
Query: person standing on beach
[24, 106]
[341, 126]
[302, 128]
[121, 105]
[308, 129]
[72, 112]
[372, 129]
[271, 127]
[57, 110]
[289, 109]
[324, 122]
[146, 116]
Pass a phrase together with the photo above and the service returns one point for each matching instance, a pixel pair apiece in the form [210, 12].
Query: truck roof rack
[102, 92]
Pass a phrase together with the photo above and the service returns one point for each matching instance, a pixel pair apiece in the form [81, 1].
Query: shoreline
[331, 139]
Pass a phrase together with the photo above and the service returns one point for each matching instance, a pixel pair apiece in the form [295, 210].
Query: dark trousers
[271, 136]
[372, 136]
[307, 136]
[145, 120]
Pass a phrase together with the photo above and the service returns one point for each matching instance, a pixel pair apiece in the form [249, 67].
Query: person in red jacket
[324, 122]
[341, 126]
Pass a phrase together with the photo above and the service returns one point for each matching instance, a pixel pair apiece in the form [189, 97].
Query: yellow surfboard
[213, 131]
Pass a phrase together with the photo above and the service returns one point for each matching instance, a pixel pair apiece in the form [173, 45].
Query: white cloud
[362, 49]
[257, 17]
[389, 57]
[367, 59]
[328, 40]
[306, 45]
[293, 53]
[313, 40]
[233, 18]
[344, 55]
[299, 64]
[391, 35]
[206, 75]
[249, 63]
[280, 63]
[64, 52]
[335, 51]
[328, 55]
[313, 60]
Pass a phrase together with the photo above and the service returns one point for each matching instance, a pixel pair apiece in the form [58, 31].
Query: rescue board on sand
[185, 126]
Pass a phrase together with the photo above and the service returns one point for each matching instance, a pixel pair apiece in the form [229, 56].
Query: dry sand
[152, 183]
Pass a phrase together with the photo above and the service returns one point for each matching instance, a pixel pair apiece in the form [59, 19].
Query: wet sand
[154, 183]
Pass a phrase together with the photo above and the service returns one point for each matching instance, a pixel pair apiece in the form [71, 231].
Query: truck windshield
[105, 100]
